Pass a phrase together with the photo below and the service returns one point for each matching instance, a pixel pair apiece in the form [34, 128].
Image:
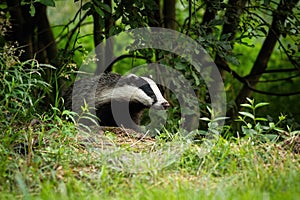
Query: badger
[118, 100]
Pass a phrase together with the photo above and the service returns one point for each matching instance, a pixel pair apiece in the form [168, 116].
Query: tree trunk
[98, 38]
[169, 12]
[35, 37]
[157, 16]
[33, 33]
[261, 62]
[104, 54]
[22, 28]
[46, 40]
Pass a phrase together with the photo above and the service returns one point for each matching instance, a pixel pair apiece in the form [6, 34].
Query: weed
[258, 128]
[22, 87]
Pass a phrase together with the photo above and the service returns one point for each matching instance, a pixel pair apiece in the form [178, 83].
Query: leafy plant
[258, 128]
[213, 124]
[22, 86]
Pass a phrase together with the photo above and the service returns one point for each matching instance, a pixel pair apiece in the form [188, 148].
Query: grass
[49, 161]
[47, 157]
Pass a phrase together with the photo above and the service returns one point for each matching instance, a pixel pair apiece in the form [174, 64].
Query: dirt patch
[107, 137]
[293, 144]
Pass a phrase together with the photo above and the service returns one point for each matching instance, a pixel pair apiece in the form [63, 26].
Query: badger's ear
[148, 76]
[131, 77]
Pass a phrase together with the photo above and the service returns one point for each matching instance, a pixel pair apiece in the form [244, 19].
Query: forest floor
[56, 161]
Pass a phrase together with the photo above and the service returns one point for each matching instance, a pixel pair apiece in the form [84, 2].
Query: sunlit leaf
[220, 118]
[261, 104]
[282, 117]
[251, 101]
[272, 125]
[32, 10]
[261, 119]
[246, 105]
[204, 118]
[247, 114]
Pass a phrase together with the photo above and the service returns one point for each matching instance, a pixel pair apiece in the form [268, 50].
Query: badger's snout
[165, 105]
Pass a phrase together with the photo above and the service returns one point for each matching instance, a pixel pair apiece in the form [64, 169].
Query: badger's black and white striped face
[140, 89]
[149, 87]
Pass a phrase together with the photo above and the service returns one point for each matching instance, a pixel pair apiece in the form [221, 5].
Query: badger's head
[142, 90]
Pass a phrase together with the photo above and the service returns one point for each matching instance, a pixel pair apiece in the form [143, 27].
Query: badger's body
[119, 100]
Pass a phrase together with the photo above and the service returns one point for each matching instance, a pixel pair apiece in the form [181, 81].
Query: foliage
[45, 155]
[226, 30]
[22, 86]
[51, 158]
[254, 128]
[48, 160]
[32, 7]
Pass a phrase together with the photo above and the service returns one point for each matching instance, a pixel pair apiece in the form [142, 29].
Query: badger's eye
[149, 92]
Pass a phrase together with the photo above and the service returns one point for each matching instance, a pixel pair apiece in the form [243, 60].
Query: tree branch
[260, 65]
[127, 56]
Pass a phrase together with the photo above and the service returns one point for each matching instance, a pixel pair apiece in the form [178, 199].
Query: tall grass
[22, 85]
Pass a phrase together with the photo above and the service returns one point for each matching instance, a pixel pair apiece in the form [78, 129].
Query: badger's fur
[111, 89]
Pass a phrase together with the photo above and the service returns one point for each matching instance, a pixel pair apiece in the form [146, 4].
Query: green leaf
[232, 59]
[102, 6]
[113, 30]
[213, 125]
[213, 131]
[209, 109]
[240, 119]
[219, 118]
[47, 2]
[86, 6]
[272, 125]
[196, 78]
[261, 119]
[227, 47]
[106, 7]
[282, 117]
[279, 130]
[271, 137]
[261, 104]
[180, 66]
[247, 114]
[251, 101]
[246, 105]
[249, 125]
[204, 118]
[32, 10]
[99, 11]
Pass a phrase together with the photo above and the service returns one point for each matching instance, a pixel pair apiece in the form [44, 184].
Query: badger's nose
[165, 104]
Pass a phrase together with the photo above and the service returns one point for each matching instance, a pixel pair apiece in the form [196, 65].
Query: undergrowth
[46, 156]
